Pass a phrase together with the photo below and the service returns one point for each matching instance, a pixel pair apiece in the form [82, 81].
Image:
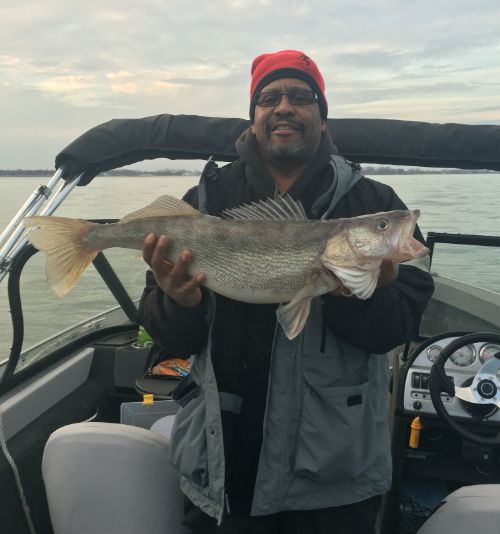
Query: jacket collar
[310, 184]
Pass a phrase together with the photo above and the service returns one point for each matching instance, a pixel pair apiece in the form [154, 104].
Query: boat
[72, 462]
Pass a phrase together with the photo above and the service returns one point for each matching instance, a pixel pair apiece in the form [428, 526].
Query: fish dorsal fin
[280, 208]
[163, 206]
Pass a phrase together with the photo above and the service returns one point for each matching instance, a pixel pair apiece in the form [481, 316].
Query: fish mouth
[410, 248]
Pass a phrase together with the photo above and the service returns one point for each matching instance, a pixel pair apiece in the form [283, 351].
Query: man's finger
[194, 283]
[148, 247]
[158, 256]
[345, 292]
[179, 271]
[387, 273]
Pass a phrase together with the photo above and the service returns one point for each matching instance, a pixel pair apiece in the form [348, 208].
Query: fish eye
[382, 224]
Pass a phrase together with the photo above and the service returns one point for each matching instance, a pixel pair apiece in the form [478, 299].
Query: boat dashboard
[461, 367]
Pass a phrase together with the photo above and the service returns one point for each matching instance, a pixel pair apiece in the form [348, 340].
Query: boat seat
[111, 479]
[468, 509]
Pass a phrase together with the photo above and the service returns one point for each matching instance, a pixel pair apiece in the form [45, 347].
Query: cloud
[113, 16]
[239, 5]
[63, 84]
[85, 62]
[193, 71]
[119, 75]
[127, 88]
[9, 61]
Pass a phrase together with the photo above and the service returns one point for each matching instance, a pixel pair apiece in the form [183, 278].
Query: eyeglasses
[296, 97]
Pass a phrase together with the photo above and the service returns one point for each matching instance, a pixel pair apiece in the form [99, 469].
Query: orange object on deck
[177, 367]
[416, 426]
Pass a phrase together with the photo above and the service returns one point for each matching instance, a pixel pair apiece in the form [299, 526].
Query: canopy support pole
[10, 238]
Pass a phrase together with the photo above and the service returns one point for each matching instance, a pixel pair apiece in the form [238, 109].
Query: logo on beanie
[305, 59]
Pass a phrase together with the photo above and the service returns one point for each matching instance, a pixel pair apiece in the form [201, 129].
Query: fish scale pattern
[260, 261]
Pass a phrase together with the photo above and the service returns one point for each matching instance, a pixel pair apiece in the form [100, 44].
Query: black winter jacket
[243, 333]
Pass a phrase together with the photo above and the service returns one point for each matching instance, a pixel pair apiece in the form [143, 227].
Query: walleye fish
[264, 252]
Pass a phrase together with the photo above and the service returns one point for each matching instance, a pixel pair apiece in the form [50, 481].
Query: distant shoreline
[33, 173]
[26, 173]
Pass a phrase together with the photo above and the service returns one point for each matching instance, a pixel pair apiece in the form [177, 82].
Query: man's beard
[292, 152]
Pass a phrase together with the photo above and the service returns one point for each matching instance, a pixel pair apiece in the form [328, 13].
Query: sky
[66, 66]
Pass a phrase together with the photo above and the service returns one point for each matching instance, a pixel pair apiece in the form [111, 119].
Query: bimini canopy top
[124, 141]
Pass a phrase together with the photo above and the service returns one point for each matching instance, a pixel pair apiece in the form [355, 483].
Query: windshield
[471, 264]
[467, 280]
[109, 197]
[467, 293]
[45, 315]
[454, 203]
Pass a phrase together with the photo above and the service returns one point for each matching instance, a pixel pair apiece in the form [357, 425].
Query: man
[275, 435]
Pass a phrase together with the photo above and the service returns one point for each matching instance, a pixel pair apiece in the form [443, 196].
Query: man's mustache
[292, 123]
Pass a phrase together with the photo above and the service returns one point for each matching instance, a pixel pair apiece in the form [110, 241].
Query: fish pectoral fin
[360, 282]
[164, 206]
[293, 316]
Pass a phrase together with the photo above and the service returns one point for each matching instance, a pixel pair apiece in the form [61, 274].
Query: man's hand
[173, 278]
[387, 273]
[386, 276]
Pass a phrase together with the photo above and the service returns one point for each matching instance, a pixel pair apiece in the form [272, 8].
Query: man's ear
[253, 128]
[323, 125]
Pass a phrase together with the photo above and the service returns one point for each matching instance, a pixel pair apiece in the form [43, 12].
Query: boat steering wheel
[484, 389]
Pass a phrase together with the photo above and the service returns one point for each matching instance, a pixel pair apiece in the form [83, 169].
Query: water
[449, 203]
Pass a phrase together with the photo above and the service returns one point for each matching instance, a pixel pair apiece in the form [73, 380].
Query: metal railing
[434, 238]
[13, 238]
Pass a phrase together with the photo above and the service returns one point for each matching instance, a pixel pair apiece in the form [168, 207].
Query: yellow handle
[148, 398]
[416, 427]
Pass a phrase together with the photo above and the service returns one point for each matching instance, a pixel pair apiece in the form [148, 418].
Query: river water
[455, 203]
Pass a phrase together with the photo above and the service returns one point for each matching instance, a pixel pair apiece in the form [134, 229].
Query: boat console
[446, 425]
[461, 368]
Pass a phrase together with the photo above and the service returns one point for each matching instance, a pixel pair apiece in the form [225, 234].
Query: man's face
[287, 133]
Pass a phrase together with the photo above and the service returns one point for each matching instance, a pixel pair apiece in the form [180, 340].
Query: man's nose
[284, 106]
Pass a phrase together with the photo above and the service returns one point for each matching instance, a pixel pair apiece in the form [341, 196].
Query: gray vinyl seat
[468, 509]
[104, 478]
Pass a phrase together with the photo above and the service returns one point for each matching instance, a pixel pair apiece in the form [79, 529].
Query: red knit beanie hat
[286, 64]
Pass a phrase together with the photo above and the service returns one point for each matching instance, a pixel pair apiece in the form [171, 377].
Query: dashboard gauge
[464, 356]
[433, 352]
[488, 351]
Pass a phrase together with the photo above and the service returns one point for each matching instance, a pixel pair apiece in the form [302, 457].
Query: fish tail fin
[67, 256]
